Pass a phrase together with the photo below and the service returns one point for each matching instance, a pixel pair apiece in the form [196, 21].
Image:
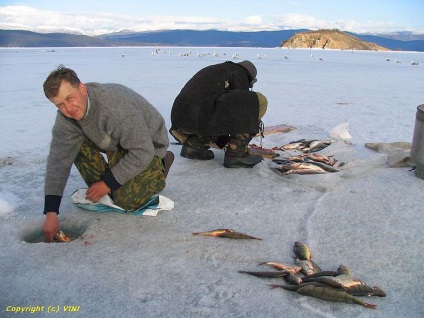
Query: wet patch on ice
[8, 202]
[5, 161]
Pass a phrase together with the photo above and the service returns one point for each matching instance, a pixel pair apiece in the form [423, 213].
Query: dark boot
[197, 147]
[167, 162]
[237, 154]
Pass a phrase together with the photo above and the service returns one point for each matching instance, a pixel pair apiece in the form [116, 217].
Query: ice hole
[33, 232]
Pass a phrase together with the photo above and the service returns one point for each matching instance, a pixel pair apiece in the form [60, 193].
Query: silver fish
[293, 145]
[316, 145]
[324, 166]
[304, 171]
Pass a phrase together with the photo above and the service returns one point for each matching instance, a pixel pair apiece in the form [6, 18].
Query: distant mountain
[208, 38]
[394, 44]
[402, 35]
[330, 39]
[18, 38]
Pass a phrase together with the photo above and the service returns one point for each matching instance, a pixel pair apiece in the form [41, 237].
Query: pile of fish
[307, 279]
[309, 163]
[306, 146]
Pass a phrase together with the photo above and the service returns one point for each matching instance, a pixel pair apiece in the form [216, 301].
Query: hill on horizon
[330, 39]
[195, 38]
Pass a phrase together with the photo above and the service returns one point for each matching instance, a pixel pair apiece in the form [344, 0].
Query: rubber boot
[167, 162]
[237, 154]
[197, 147]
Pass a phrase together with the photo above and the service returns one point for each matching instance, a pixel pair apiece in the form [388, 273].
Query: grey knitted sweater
[117, 117]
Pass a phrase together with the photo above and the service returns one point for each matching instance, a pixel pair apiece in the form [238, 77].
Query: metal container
[417, 148]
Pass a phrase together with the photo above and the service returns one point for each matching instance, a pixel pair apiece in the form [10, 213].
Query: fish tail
[370, 306]
[272, 286]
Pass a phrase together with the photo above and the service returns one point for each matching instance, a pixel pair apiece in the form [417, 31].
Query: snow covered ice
[368, 216]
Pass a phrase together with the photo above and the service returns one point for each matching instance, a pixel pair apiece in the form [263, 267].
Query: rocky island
[329, 39]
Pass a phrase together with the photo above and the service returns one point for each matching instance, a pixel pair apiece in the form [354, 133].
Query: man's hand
[51, 226]
[97, 191]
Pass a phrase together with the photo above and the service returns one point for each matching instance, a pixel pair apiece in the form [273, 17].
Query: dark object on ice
[417, 148]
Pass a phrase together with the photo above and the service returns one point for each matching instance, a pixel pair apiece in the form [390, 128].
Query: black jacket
[217, 101]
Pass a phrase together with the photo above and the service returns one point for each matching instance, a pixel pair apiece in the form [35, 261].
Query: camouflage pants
[237, 142]
[136, 192]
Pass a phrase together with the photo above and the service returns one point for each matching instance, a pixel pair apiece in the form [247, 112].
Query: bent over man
[217, 106]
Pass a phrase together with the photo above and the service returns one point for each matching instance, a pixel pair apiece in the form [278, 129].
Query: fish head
[343, 270]
[302, 251]
[61, 237]
[378, 291]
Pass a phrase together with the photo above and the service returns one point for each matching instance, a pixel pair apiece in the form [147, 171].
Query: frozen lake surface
[367, 216]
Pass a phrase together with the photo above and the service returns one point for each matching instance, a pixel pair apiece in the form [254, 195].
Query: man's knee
[137, 191]
[263, 104]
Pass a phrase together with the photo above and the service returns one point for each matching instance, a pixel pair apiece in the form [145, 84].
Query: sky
[102, 16]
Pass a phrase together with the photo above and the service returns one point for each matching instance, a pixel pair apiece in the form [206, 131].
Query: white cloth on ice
[152, 207]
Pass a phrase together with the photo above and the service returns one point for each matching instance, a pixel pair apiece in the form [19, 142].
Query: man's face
[71, 101]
